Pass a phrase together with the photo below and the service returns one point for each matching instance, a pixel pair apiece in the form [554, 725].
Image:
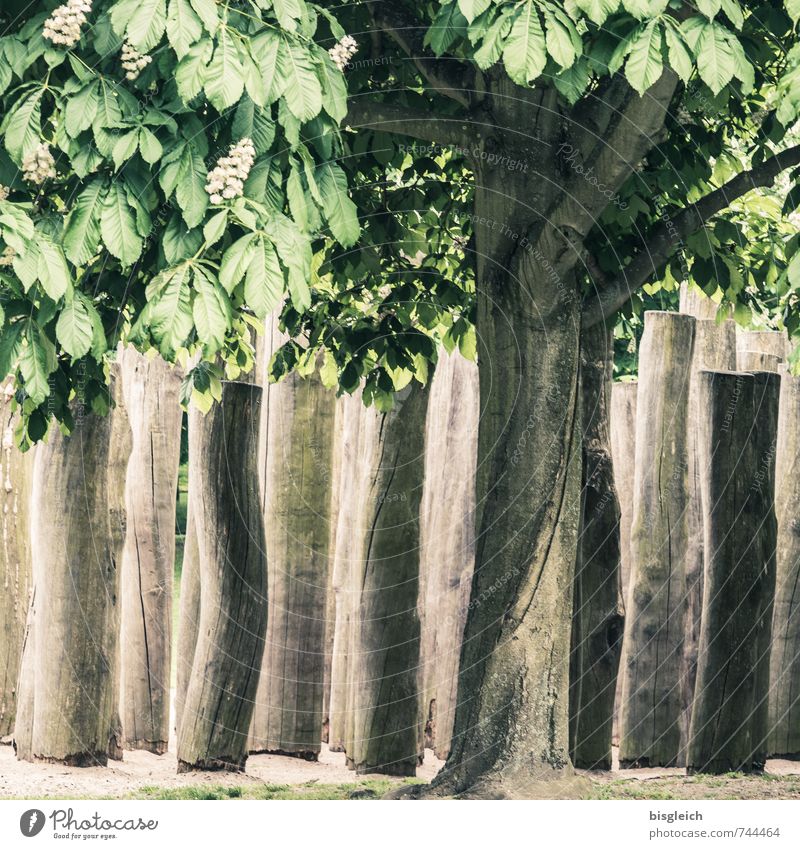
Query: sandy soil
[141, 769]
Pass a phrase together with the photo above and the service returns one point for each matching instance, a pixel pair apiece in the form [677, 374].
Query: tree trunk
[77, 536]
[189, 605]
[784, 687]
[152, 398]
[447, 539]
[623, 447]
[386, 629]
[15, 558]
[655, 621]
[757, 361]
[598, 613]
[714, 348]
[233, 584]
[729, 718]
[297, 430]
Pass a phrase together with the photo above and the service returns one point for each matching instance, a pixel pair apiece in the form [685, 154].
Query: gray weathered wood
[226, 501]
[729, 716]
[77, 535]
[694, 302]
[296, 439]
[714, 348]
[15, 557]
[757, 361]
[784, 686]
[650, 709]
[447, 539]
[598, 613]
[152, 398]
[189, 602]
[775, 342]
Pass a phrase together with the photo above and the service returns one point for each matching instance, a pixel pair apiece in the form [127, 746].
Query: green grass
[733, 785]
[367, 789]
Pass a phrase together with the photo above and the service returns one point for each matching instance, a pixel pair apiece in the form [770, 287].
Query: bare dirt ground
[19, 779]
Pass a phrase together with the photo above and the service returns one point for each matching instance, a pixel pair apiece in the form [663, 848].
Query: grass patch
[361, 790]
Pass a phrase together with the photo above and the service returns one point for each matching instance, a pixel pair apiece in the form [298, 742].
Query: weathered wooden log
[650, 709]
[447, 540]
[729, 718]
[784, 683]
[297, 430]
[76, 552]
[16, 468]
[714, 348]
[152, 398]
[598, 613]
[233, 585]
[757, 361]
[189, 600]
[693, 301]
[623, 448]
[386, 645]
[348, 557]
[775, 342]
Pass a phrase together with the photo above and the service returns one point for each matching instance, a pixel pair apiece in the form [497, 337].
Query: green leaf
[288, 13]
[178, 241]
[149, 146]
[82, 231]
[253, 122]
[715, 61]
[447, 26]
[208, 13]
[34, 361]
[52, 269]
[108, 112]
[709, 7]
[235, 262]
[573, 82]
[118, 225]
[171, 311]
[81, 109]
[735, 15]
[10, 344]
[184, 27]
[190, 73]
[560, 40]
[471, 9]
[303, 92]
[644, 67]
[264, 283]
[265, 48]
[224, 82]
[491, 48]
[211, 311]
[215, 227]
[340, 212]
[191, 188]
[524, 53]
[125, 147]
[75, 328]
[146, 25]
[597, 10]
[334, 89]
[680, 59]
[24, 128]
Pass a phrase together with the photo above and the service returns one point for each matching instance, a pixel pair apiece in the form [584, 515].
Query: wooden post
[77, 535]
[693, 301]
[655, 617]
[297, 431]
[189, 604]
[774, 342]
[15, 557]
[598, 614]
[757, 361]
[233, 585]
[729, 718]
[714, 348]
[447, 539]
[152, 398]
[385, 647]
[784, 686]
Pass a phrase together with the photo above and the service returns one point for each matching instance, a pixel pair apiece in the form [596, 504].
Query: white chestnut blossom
[7, 257]
[133, 62]
[4, 192]
[226, 180]
[343, 51]
[38, 165]
[64, 25]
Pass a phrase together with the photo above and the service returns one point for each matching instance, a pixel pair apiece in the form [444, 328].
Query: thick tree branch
[446, 76]
[670, 234]
[365, 113]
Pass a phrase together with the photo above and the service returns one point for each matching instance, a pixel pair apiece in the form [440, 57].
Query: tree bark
[623, 448]
[714, 348]
[15, 558]
[784, 684]
[152, 397]
[729, 718]
[650, 711]
[233, 584]
[77, 536]
[598, 613]
[297, 432]
[447, 540]
[386, 634]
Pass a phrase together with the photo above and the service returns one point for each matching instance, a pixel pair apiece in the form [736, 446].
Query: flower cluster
[7, 257]
[4, 192]
[64, 25]
[39, 165]
[343, 51]
[133, 62]
[226, 180]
